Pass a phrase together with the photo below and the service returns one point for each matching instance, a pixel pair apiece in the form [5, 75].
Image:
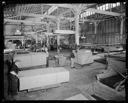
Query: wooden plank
[23, 21]
[61, 5]
[104, 12]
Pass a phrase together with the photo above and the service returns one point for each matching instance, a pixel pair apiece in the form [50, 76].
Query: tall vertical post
[77, 29]
[95, 32]
[121, 29]
[58, 28]
[36, 38]
[41, 7]
[47, 38]
[22, 41]
[95, 23]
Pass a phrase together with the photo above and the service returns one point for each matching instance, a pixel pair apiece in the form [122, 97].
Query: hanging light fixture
[90, 23]
[83, 37]
[17, 32]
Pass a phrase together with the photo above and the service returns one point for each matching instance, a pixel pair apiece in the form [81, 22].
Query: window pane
[107, 6]
[118, 4]
[103, 7]
[114, 5]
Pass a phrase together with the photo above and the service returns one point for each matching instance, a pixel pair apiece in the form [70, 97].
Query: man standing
[72, 59]
[13, 82]
[46, 51]
[6, 84]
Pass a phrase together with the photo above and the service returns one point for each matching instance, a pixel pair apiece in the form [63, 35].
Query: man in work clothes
[72, 59]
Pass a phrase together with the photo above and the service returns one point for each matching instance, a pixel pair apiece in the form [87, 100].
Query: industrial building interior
[40, 39]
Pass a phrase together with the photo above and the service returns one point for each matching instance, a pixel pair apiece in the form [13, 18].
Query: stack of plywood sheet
[62, 60]
[51, 63]
[29, 79]
[84, 57]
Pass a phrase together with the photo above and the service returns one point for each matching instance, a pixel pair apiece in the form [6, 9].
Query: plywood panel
[9, 29]
[41, 77]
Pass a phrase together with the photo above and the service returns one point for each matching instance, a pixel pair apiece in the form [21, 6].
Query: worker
[7, 66]
[13, 80]
[47, 58]
[58, 49]
[6, 80]
[72, 58]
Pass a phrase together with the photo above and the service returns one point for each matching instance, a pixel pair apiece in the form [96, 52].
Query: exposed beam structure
[103, 12]
[90, 20]
[65, 12]
[61, 5]
[23, 21]
[12, 17]
[50, 10]
[36, 15]
[68, 18]
[39, 15]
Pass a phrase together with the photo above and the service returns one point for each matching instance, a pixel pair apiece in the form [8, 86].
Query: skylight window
[114, 5]
[118, 4]
[102, 7]
[107, 6]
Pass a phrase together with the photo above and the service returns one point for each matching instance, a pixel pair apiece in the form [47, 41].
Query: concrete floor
[81, 81]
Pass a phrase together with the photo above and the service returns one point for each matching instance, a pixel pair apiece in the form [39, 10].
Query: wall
[108, 32]
[9, 29]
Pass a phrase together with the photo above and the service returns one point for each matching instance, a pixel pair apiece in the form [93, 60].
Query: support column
[41, 41]
[58, 28]
[96, 24]
[47, 38]
[58, 39]
[36, 39]
[95, 32]
[22, 41]
[77, 29]
[121, 29]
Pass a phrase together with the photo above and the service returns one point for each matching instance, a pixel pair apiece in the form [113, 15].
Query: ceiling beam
[12, 17]
[23, 21]
[39, 15]
[90, 20]
[69, 10]
[36, 15]
[103, 12]
[61, 5]
[50, 10]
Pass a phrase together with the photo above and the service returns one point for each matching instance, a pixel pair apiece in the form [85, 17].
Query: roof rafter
[50, 10]
[23, 21]
[103, 12]
[61, 5]
[39, 15]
